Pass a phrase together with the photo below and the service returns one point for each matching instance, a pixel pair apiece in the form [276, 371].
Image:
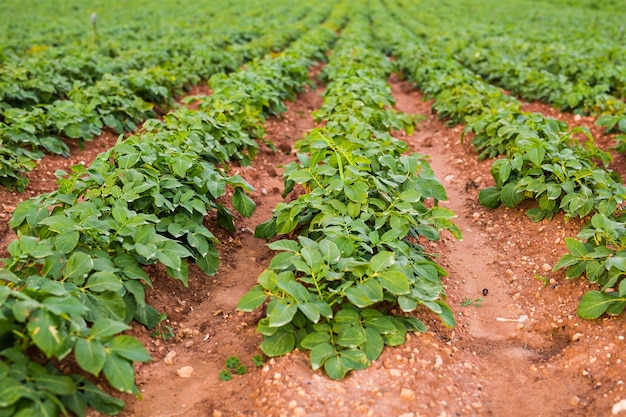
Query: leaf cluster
[599, 252]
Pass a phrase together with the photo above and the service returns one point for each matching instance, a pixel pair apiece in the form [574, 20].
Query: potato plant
[365, 205]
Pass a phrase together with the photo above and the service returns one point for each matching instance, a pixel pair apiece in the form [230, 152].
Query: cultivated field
[382, 207]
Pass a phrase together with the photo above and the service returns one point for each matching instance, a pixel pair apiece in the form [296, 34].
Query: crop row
[121, 101]
[365, 205]
[52, 73]
[542, 160]
[74, 278]
[544, 57]
[35, 29]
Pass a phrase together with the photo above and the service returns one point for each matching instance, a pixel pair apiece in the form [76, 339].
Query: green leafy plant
[226, 375]
[163, 331]
[599, 252]
[257, 360]
[330, 291]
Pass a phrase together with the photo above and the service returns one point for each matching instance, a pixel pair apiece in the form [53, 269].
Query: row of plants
[47, 28]
[543, 160]
[75, 276]
[575, 68]
[547, 68]
[122, 101]
[568, 44]
[350, 264]
[518, 74]
[51, 73]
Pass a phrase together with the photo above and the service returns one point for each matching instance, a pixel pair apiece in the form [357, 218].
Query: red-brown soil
[522, 351]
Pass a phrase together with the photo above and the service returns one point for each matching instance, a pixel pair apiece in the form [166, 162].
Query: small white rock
[170, 358]
[407, 394]
[619, 406]
[185, 371]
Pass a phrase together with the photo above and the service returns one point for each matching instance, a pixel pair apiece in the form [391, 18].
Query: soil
[518, 349]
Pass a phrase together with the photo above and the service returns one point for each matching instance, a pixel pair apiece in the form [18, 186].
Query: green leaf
[278, 344]
[510, 195]
[43, 328]
[330, 252]
[170, 254]
[129, 348]
[65, 242]
[251, 300]
[311, 340]
[565, 261]
[374, 344]
[593, 304]
[266, 230]
[77, 267]
[336, 368]
[90, 355]
[281, 314]
[67, 304]
[285, 245]
[351, 337]
[242, 203]
[536, 155]
[490, 197]
[311, 310]
[446, 314]
[410, 196]
[102, 281]
[104, 327]
[101, 401]
[320, 353]
[395, 282]
[355, 358]
[359, 296]
[120, 373]
[504, 172]
[11, 390]
[356, 192]
[382, 260]
[576, 247]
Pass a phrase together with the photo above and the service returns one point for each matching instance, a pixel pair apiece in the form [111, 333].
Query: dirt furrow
[493, 327]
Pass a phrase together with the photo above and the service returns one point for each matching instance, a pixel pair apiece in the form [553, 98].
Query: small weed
[234, 365]
[257, 360]
[226, 375]
[232, 362]
[476, 302]
[161, 330]
[545, 280]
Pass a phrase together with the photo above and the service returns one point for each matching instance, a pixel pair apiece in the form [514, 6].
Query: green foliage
[74, 277]
[75, 93]
[366, 200]
[226, 375]
[233, 365]
[599, 252]
[257, 360]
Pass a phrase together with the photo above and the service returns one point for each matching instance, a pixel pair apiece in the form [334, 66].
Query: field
[380, 207]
